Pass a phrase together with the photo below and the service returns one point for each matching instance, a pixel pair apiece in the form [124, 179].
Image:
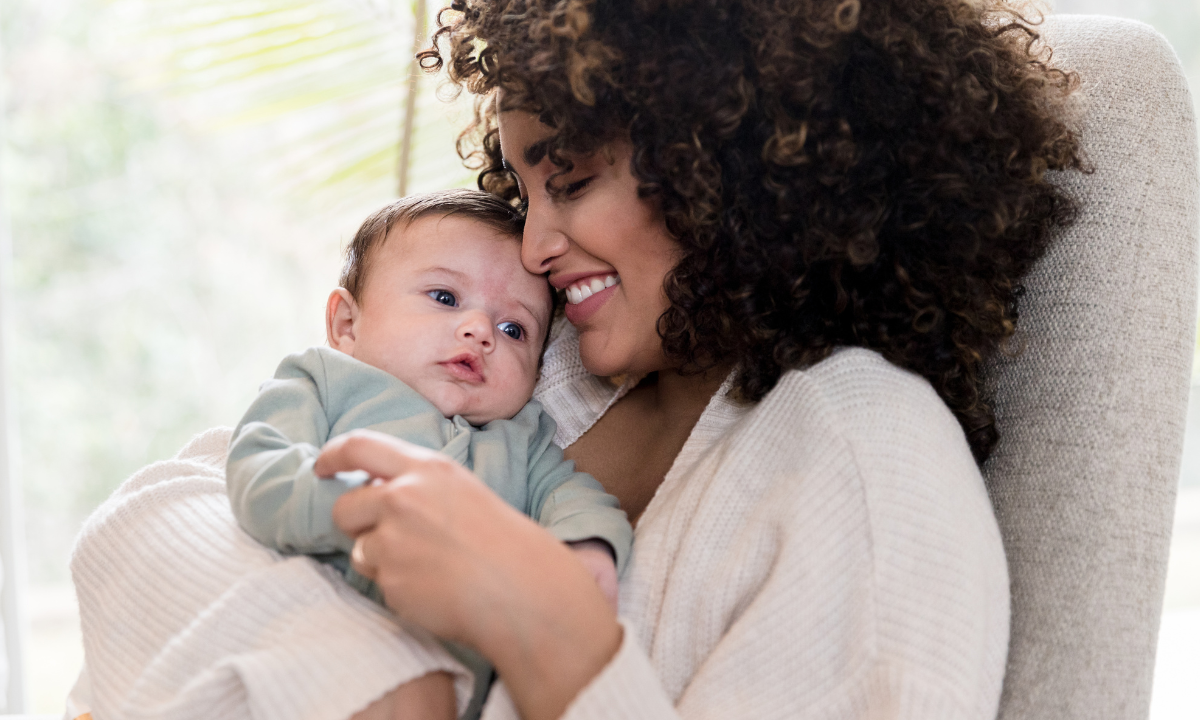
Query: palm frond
[317, 88]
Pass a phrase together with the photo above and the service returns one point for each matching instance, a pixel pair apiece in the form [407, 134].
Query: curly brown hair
[837, 172]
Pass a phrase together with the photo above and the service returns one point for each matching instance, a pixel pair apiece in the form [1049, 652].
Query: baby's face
[449, 309]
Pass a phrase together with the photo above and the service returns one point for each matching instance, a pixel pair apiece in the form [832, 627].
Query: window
[180, 177]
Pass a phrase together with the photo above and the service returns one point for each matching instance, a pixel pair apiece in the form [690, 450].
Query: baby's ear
[341, 315]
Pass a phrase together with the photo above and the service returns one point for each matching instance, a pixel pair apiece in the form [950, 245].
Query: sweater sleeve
[748, 676]
[184, 617]
[572, 505]
[274, 493]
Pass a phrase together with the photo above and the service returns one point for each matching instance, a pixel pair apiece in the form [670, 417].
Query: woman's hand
[597, 557]
[452, 557]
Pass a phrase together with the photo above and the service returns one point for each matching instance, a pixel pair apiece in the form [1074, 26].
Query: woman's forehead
[524, 140]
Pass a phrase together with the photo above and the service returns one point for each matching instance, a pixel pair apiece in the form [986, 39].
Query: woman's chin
[605, 356]
[597, 356]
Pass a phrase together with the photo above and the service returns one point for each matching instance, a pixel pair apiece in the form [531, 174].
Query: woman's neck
[631, 448]
[673, 393]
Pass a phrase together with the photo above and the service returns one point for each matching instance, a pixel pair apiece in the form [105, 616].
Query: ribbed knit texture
[185, 616]
[827, 553]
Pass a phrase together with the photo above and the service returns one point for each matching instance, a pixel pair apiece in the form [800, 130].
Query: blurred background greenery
[180, 176]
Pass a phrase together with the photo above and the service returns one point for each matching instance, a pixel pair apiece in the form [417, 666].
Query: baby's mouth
[581, 290]
[465, 366]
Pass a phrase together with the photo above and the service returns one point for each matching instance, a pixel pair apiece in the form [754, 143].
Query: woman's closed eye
[444, 297]
[512, 329]
[573, 189]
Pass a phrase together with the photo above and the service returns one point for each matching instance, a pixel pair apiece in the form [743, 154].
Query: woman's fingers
[358, 510]
[431, 538]
[358, 559]
[381, 455]
[450, 556]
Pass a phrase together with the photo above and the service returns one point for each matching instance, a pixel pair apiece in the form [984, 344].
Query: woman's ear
[341, 317]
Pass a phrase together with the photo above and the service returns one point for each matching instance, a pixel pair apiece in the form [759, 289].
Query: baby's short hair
[480, 206]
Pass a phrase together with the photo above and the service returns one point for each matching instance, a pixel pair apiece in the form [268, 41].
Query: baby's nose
[477, 327]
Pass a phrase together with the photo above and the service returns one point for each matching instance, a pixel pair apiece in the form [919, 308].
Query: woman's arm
[184, 616]
[453, 558]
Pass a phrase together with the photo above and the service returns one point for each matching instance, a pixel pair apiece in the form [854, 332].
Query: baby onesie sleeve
[572, 505]
[274, 493]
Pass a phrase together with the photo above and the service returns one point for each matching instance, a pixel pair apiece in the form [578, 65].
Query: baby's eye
[511, 329]
[444, 297]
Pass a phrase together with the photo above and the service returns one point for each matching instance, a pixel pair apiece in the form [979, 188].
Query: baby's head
[433, 292]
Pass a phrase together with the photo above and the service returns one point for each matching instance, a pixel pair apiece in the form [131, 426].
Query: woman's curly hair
[837, 172]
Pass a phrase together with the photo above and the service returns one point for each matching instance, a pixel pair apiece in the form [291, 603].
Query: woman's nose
[543, 239]
[476, 328]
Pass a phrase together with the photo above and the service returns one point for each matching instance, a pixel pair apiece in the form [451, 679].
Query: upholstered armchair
[1092, 413]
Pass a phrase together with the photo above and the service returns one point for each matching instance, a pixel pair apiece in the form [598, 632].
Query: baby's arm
[273, 491]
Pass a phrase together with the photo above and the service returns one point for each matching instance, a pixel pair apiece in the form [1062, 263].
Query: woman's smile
[585, 294]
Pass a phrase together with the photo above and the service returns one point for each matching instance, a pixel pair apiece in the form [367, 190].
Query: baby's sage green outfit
[321, 393]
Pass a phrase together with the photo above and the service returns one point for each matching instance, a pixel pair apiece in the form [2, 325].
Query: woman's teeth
[584, 289]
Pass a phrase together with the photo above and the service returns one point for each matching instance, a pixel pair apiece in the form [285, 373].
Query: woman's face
[608, 248]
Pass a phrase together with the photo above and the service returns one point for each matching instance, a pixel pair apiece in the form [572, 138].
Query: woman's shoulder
[884, 458]
[853, 426]
[870, 403]
[886, 428]
[858, 379]
[859, 432]
[845, 507]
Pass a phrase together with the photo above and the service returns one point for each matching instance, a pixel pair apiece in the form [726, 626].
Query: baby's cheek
[520, 384]
[530, 375]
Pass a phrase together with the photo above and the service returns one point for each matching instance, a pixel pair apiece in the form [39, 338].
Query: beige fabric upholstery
[1092, 414]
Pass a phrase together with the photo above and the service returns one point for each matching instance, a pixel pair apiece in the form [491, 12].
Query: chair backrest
[1092, 413]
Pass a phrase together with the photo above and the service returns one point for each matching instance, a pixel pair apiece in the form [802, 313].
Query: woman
[817, 214]
[773, 183]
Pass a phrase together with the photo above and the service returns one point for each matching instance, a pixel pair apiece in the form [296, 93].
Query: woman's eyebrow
[535, 152]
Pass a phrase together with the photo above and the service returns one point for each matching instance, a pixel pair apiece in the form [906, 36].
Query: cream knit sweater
[829, 552]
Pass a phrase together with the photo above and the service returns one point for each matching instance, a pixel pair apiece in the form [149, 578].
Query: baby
[435, 337]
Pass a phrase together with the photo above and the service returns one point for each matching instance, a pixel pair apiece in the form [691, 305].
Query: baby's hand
[597, 558]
